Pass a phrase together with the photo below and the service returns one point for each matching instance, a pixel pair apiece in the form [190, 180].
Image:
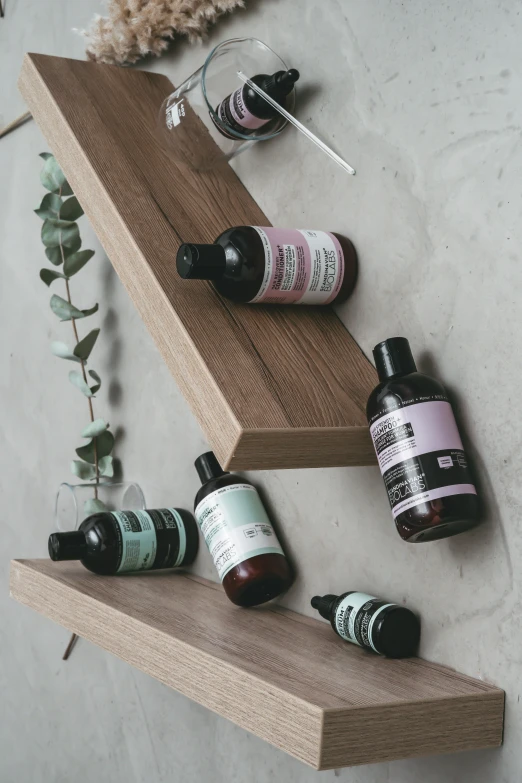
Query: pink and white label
[420, 455]
[240, 113]
[301, 267]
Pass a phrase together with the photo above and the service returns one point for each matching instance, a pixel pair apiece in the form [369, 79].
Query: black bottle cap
[67, 546]
[393, 357]
[281, 83]
[200, 262]
[397, 635]
[324, 604]
[208, 467]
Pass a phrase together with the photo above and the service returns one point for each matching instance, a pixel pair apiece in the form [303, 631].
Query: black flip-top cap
[208, 467]
[393, 357]
[67, 546]
[200, 262]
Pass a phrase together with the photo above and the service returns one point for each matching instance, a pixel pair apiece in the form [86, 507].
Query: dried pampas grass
[135, 28]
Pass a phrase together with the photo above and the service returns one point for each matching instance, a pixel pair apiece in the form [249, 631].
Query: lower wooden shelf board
[285, 677]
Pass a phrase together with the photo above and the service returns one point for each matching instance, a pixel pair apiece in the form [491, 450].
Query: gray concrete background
[424, 99]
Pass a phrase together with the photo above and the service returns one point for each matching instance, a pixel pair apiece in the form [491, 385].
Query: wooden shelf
[271, 387]
[282, 676]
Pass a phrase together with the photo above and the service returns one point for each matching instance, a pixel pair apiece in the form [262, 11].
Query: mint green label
[235, 526]
[138, 540]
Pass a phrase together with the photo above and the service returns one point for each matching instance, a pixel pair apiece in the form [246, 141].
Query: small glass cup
[71, 500]
[188, 124]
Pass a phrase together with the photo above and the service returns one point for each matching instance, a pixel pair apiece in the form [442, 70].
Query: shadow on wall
[114, 356]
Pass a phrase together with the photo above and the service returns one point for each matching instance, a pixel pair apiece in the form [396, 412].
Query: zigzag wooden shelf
[287, 678]
[271, 387]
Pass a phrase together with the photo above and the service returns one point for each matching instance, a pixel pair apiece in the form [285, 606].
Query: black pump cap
[208, 467]
[393, 357]
[201, 262]
[324, 604]
[67, 546]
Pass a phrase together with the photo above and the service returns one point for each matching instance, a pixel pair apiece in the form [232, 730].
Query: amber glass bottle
[248, 557]
[244, 111]
[274, 265]
[122, 541]
[419, 449]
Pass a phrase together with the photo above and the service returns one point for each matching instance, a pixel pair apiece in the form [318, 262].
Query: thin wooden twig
[25, 117]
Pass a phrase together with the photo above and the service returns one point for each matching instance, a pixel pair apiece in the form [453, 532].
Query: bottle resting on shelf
[419, 449]
[121, 541]
[241, 540]
[380, 626]
[274, 265]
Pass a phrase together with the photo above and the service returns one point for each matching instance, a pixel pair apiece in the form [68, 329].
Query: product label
[150, 539]
[420, 454]
[234, 113]
[301, 267]
[235, 526]
[355, 618]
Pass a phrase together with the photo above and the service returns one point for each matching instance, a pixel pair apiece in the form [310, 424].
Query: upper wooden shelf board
[271, 387]
[285, 677]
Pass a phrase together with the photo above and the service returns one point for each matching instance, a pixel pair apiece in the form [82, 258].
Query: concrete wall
[424, 99]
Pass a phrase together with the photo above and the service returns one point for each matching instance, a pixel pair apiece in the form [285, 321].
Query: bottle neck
[324, 604]
[393, 358]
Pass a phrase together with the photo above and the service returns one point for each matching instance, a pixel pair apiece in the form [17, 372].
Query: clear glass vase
[189, 126]
[74, 501]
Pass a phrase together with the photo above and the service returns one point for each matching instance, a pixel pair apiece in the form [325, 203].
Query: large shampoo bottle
[419, 449]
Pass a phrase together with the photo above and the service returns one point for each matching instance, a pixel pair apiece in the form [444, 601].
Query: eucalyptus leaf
[105, 467]
[95, 428]
[83, 470]
[84, 347]
[60, 232]
[54, 254]
[76, 379]
[76, 261]
[50, 206]
[63, 352]
[90, 311]
[53, 178]
[69, 233]
[71, 209]
[63, 309]
[49, 276]
[104, 445]
[94, 506]
[95, 377]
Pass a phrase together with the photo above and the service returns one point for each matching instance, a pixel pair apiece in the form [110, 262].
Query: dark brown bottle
[377, 625]
[274, 265]
[245, 111]
[123, 541]
[419, 450]
[250, 562]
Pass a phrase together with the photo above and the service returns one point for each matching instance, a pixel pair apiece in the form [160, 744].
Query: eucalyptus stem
[84, 373]
[59, 210]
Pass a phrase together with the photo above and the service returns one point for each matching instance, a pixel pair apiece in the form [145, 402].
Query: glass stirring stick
[322, 146]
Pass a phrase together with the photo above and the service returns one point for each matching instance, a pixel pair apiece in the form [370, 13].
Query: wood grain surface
[271, 387]
[287, 678]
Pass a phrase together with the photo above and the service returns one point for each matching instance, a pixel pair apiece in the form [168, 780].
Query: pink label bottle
[244, 111]
[419, 449]
[274, 265]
